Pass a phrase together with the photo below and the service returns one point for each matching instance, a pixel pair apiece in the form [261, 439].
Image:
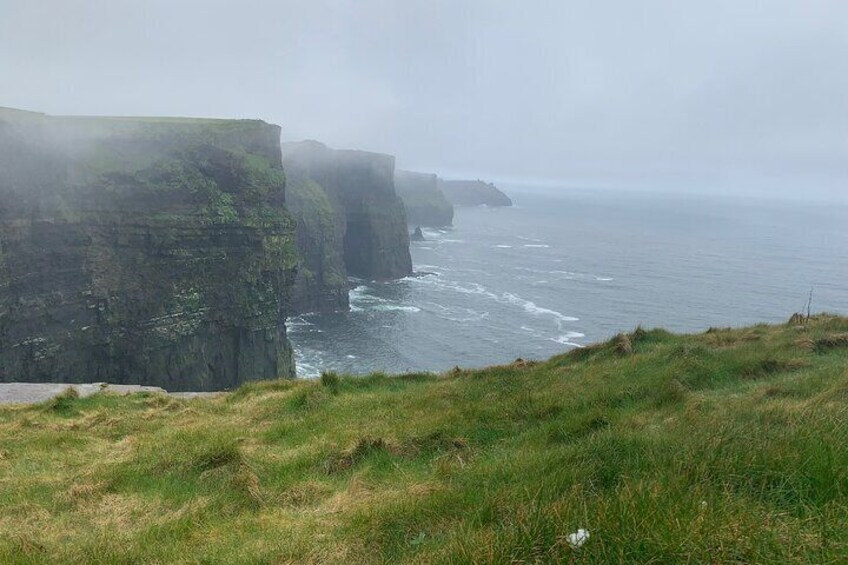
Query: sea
[563, 269]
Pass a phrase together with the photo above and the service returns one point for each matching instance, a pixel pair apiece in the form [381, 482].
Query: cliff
[425, 203]
[473, 193]
[147, 251]
[371, 218]
[321, 281]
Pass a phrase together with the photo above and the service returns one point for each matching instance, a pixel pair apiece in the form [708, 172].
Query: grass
[727, 446]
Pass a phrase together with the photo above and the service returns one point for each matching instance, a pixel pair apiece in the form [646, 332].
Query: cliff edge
[425, 202]
[473, 193]
[152, 251]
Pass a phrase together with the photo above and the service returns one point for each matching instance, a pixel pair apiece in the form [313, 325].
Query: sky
[736, 96]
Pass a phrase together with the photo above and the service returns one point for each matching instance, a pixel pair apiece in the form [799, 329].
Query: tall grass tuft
[729, 446]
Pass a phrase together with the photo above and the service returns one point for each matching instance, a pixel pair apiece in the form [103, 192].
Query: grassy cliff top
[17, 114]
[726, 446]
[78, 133]
[314, 153]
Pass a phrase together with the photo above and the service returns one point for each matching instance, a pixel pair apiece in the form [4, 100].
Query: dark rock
[417, 235]
[143, 251]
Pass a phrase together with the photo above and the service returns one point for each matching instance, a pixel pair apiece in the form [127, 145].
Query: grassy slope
[726, 446]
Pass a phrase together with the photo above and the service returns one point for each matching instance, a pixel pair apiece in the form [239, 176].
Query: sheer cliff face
[473, 193]
[321, 282]
[425, 203]
[360, 188]
[149, 251]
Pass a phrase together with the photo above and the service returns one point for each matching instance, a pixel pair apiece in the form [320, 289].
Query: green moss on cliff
[321, 282]
[152, 251]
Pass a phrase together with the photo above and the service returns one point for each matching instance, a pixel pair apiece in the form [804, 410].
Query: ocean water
[561, 271]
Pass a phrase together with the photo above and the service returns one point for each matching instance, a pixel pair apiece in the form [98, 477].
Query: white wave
[425, 247]
[535, 271]
[506, 298]
[431, 268]
[355, 296]
[504, 246]
[360, 295]
[357, 291]
[415, 277]
[455, 286]
[308, 363]
[456, 313]
[299, 320]
[298, 324]
[571, 335]
[532, 308]
[540, 245]
[350, 356]
[573, 275]
[360, 300]
[564, 340]
[396, 308]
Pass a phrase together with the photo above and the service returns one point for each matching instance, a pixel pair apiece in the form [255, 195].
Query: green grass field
[727, 446]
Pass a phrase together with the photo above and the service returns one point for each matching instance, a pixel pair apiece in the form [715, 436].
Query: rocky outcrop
[143, 251]
[425, 203]
[473, 193]
[370, 217]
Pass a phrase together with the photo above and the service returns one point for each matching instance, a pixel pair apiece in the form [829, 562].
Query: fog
[726, 96]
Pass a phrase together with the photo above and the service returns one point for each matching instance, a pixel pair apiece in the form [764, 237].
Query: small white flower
[578, 538]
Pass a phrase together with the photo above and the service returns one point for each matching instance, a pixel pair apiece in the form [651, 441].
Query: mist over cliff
[423, 198]
[151, 251]
[360, 185]
[730, 96]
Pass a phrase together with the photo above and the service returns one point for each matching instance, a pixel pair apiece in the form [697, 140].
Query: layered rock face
[321, 282]
[143, 251]
[369, 216]
[425, 203]
[473, 193]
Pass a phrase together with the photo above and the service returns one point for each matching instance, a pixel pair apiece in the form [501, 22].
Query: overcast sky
[708, 95]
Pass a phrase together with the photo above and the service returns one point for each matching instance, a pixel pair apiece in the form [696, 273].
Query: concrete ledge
[31, 393]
